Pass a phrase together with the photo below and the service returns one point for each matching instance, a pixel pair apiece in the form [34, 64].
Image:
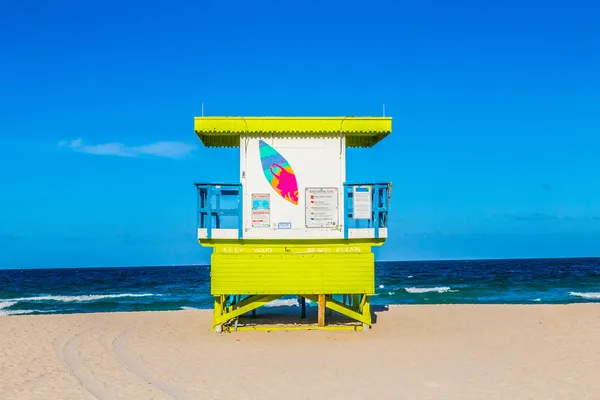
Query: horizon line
[376, 261]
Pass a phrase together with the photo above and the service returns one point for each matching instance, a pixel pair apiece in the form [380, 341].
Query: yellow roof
[226, 131]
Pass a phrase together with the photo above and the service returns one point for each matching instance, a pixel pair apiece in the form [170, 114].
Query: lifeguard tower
[293, 225]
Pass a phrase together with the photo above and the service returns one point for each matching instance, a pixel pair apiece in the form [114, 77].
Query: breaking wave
[4, 313]
[438, 289]
[6, 304]
[283, 303]
[586, 295]
[80, 299]
[286, 303]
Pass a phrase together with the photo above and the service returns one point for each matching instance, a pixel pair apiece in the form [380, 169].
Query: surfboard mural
[279, 173]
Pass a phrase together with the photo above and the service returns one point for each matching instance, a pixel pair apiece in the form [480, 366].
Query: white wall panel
[316, 163]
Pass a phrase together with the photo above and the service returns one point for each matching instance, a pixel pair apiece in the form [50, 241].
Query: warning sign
[261, 210]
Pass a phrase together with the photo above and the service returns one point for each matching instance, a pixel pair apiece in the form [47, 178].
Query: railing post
[218, 209]
[240, 211]
[345, 191]
[376, 210]
[209, 211]
[198, 202]
[202, 211]
[383, 216]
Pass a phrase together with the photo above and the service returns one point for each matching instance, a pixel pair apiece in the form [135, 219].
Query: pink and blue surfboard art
[279, 173]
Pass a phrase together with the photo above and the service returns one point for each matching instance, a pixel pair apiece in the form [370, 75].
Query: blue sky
[496, 124]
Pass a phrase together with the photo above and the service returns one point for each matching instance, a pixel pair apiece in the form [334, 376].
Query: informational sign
[362, 202]
[261, 210]
[322, 207]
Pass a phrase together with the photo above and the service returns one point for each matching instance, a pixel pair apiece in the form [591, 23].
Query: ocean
[85, 290]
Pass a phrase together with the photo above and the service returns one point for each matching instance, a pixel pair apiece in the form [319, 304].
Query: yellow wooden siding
[292, 273]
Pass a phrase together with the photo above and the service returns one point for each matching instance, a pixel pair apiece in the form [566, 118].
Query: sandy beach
[413, 352]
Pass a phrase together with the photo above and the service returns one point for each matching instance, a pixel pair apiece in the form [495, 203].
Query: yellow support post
[243, 307]
[364, 316]
[367, 313]
[217, 312]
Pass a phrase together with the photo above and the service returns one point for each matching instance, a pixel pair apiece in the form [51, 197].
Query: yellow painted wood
[276, 248]
[293, 274]
[362, 302]
[302, 328]
[226, 131]
[218, 307]
[324, 301]
[244, 307]
[366, 310]
[268, 270]
[321, 316]
[345, 310]
[248, 301]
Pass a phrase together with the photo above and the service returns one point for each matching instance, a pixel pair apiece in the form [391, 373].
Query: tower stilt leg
[217, 312]
[321, 318]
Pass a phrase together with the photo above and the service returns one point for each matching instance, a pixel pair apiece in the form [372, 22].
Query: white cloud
[166, 149]
[158, 149]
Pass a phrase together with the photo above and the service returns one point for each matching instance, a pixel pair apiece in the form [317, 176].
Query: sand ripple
[90, 353]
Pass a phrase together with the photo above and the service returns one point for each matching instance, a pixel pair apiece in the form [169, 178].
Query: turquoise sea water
[532, 281]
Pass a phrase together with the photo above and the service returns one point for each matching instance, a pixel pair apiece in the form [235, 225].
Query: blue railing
[218, 202]
[212, 200]
[377, 217]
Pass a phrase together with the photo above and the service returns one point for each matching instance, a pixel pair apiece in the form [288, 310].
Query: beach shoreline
[419, 351]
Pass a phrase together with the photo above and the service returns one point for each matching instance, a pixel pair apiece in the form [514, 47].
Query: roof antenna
[384, 110]
[203, 109]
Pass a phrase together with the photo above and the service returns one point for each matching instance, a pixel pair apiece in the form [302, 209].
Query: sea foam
[4, 313]
[286, 303]
[586, 295]
[82, 298]
[438, 289]
[7, 304]
[283, 303]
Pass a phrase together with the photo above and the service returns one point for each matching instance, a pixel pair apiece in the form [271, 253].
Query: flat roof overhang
[226, 131]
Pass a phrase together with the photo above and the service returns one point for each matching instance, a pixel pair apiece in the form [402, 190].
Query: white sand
[413, 352]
